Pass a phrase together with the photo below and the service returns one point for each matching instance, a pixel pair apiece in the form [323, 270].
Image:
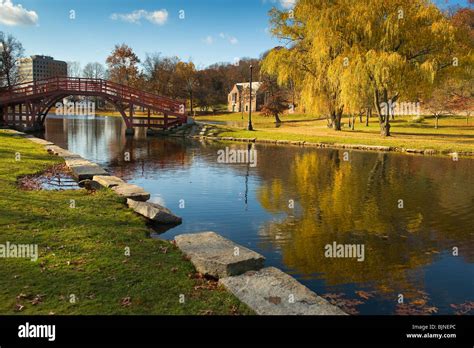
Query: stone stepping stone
[83, 169]
[270, 291]
[58, 151]
[132, 192]
[108, 181]
[217, 256]
[154, 212]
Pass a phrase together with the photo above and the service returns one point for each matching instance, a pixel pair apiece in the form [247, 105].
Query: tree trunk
[385, 128]
[384, 120]
[369, 114]
[277, 118]
[191, 101]
[436, 121]
[353, 122]
[385, 125]
[330, 121]
[337, 121]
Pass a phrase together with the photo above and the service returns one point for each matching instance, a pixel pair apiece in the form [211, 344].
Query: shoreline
[243, 275]
[362, 147]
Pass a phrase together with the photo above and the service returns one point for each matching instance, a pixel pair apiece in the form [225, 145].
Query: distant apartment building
[239, 97]
[37, 67]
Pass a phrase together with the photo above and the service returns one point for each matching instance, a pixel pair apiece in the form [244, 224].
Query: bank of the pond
[454, 134]
[94, 257]
[224, 134]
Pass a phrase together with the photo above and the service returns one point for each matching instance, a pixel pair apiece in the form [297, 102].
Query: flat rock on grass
[154, 212]
[132, 191]
[83, 169]
[108, 181]
[58, 151]
[217, 256]
[273, 292]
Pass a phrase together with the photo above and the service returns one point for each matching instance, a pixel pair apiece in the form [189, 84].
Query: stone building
[239, 97]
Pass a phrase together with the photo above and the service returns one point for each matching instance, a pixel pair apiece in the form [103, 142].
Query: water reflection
[408, 211]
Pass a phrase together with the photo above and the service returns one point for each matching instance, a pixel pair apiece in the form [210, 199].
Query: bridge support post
[130, 130]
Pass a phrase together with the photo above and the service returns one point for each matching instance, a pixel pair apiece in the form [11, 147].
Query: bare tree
[11, 50]
[74, 69]
[94, 71]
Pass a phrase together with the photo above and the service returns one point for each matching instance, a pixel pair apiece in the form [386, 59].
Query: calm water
[408, 251]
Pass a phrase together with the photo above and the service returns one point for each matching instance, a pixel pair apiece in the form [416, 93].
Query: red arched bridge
[26, 105]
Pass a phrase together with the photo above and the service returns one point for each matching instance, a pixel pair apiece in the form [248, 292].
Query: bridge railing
[90, 86]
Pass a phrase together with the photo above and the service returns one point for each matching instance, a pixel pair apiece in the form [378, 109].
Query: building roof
[243, 85]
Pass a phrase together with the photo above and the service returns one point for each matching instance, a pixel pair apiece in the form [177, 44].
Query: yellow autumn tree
[312, 54]
[344, 53]
[401, 51]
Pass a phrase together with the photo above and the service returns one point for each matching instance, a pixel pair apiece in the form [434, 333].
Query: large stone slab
[83, 169]
[58, 151]
[108, 181]
[154, 212]
[217, 256]
[132, 191]
[270, 291]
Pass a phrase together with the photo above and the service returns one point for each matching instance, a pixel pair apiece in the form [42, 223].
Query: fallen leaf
[126, 302]
[365, 295]
[419, 302]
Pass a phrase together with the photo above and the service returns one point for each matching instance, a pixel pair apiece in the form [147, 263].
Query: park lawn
[453, 134]
[257, 119]
[82, 252]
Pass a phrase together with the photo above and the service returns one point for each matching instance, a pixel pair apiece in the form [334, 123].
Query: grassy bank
[453, 133]
[82, 252]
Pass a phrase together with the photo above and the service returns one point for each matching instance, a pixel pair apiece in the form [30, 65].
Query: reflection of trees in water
[149, 155]
[356, 203]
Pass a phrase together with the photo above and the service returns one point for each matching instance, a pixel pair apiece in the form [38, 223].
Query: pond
[412, 215]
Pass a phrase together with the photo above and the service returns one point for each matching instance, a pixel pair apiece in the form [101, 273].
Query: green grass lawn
[453, 134]
[82, 252]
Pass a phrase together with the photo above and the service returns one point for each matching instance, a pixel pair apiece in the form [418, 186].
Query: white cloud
[233, 40]
[287, 3]
[156, 17]
[11, 14]
[209, 40]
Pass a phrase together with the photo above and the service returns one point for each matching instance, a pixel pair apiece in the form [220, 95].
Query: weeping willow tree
[403, 49]
[312, 54]
[346, 53]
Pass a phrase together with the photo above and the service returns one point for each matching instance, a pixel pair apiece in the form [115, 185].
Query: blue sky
[212, 30]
